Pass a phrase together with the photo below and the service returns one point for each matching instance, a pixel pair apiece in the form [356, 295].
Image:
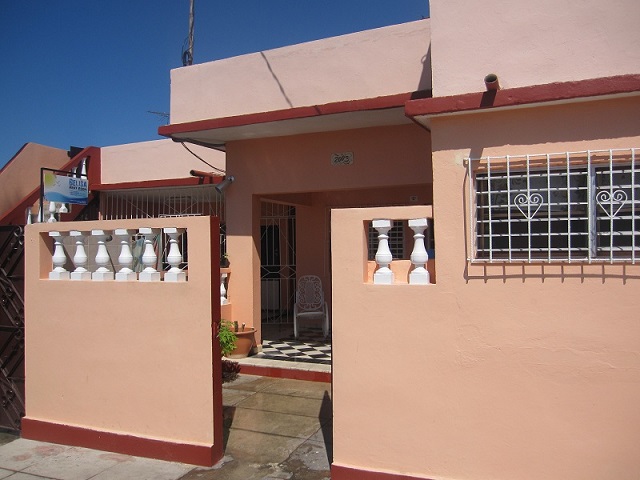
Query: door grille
[11, 327]
[277, 262]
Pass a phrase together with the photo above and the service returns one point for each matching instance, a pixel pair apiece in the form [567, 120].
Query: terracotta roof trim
[348, 106]
[512, 97]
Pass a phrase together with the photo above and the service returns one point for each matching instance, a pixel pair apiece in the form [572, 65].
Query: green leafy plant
[227, 337]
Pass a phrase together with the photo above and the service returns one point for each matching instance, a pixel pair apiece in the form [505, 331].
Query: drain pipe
[491, 82]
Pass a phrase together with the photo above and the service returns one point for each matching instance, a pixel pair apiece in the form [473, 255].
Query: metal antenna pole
[191, 14]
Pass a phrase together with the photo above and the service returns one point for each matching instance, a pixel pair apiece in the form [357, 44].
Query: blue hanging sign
[65, 189]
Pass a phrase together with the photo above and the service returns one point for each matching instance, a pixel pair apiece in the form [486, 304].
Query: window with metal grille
[396, 240]
[574, 206]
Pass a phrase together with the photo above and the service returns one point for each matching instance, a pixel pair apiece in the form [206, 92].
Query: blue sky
[78, 72]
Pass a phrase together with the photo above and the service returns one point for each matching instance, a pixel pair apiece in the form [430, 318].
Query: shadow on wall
[326, 421]
[425, 83]
[277, 80]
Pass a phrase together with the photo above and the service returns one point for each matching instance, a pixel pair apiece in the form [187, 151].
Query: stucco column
[243, 241]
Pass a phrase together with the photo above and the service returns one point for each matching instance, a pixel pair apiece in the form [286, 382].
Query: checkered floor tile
[309, 348]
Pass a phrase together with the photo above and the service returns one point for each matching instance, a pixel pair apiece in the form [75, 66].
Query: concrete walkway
[29, 460]
[274, 429]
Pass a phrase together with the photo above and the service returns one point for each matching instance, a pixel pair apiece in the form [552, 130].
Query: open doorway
[278, 280]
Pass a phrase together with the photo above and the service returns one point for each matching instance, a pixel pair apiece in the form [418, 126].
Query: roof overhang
[423, 110]
[370, 112]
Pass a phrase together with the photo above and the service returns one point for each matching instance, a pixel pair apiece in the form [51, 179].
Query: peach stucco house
[513, 128]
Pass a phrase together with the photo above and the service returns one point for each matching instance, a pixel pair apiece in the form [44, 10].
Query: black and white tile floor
[310, 347]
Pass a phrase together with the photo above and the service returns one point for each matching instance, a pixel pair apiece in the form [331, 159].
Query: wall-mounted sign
[345, 158]
[65, 189]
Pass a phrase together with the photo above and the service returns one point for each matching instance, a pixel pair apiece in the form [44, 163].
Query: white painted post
[125, 260]
[149, 257]
[80, 258]
[59, 258]
[102, 257]
[52, 212]
[383, 275]
[174, 257]
[223, 289]
[82, 167]
[419, 256]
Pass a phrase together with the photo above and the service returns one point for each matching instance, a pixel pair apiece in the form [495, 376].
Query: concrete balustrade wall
[126, 366]
[505, 371]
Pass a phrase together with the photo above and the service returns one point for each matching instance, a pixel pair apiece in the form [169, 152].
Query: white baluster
[59, 258]
[103, 260]
[40, 215]
[29, 216]
[82, 167]
[174, 257]
[149, 257]
[80, 258]
[419, 256]
[383, 275]
[125, 260]
[63, 208]
[223, 289]
[52, 212]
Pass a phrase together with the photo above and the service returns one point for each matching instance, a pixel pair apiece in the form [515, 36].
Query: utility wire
[202, 160]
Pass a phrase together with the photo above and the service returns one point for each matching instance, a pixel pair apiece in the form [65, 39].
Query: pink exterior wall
[124, 358]
[297, 170]
[531, 43]
[502, 372]
[368, 64]
[22, 174]
[155, 160]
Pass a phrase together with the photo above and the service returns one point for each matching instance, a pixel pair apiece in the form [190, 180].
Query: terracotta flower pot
[245, 340]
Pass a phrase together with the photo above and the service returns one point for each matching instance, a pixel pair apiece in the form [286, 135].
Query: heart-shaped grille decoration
[528, 204]
[611, 202]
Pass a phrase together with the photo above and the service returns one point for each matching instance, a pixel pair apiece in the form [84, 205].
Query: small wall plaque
[345, 158]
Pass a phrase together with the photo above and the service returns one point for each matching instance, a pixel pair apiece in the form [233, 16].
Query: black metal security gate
[277, 262]
[11, 326]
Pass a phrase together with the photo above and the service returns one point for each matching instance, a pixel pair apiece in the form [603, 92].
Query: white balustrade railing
[102, 257]
[223, 288]
[94, 255]
[419, 274]
[149, 257]
[59, 258]
[53, 208]
[383, 275]
[174, 257]
[419, 256]
[80, 259]
[125, 259]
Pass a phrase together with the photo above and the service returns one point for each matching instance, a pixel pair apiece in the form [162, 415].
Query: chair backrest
[309, 295]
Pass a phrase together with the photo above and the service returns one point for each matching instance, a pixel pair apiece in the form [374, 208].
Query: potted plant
[235, 341]
[226, 337]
